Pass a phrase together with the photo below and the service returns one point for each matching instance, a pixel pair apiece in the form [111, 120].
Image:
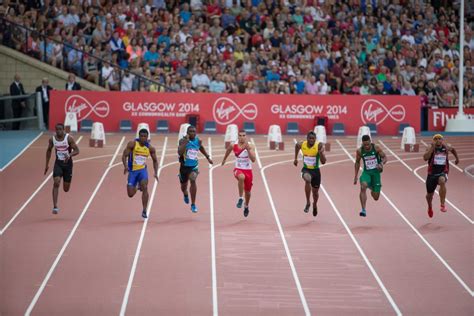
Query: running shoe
[315, 210]
[306, 208]
[55, 210]
[194, 208]
[363, 213]
[430, 212]
[144, 215]
[246, 211]
[186, 199]
[240, 202]
[443, 208]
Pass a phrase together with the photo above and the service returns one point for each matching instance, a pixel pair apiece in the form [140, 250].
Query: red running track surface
[173, 272]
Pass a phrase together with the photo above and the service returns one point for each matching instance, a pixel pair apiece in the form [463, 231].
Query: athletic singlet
[310, 155]
[242, 159]
[138, 156]
[61, 147]
[438, 162]
[371, 158]
[191, 153]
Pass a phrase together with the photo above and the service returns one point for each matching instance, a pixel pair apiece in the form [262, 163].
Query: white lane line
[215, 306]
[36, 192]
[423, 180]
[456, 276]
[126, 296]
[450, 162]
[71, 234]
[21, 152]
[282, 235]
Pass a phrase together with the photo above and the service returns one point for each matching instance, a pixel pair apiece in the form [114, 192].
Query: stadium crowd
[395, 47]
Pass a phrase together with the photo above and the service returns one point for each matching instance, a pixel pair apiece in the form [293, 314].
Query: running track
[98, 257]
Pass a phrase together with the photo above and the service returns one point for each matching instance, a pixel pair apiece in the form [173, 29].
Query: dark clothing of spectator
[45, 102]
[74, 86]
[16, 88]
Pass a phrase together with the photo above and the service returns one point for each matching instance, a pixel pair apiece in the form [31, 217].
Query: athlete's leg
[131, 190]
[429, 200]
[307, 188]
[193, 187]
[56, 184]
[363, 194]
[442, 192]
[248, 194]
[315, 200]
[144, 188]
[66, 186]
[375, 195]
[431, 183]
[67, 177]
[241, 180]
[315, 195]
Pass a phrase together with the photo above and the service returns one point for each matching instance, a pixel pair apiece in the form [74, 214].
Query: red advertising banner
[437, 118]
[386, 112]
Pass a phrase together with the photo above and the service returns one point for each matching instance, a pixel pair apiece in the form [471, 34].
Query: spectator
[127, 81]
[18, 105]
[321, 86]
[44, 89]
[71, 83]
[200, 80]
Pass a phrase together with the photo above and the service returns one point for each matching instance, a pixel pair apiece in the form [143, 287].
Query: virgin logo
[225, 111]
[374, 111]
[83, 108]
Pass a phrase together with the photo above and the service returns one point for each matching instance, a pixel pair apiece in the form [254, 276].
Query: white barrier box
[143, 126]
[408, 143]
[183, 131]
[97, 135]
[274, 140]
[363, 130]
[231, 135]
[321, 136]
[70, 122]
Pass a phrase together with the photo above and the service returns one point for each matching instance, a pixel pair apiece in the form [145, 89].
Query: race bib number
[371, 163]
[192, 154]
[242, 163]
[62, 155]
[440, 159]
[140, 160]
[309, 161]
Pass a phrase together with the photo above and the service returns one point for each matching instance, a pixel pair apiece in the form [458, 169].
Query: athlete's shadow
[172, 221]
[364, 229]
[429, 228]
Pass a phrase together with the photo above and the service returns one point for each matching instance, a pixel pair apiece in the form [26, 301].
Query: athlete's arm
[322, 155]
[126, 153]
[455, 153]
[297, 150]
[182, 145]
[227, 153]
[48, 154]
[73, 145]
[155, 161]
[357, 165]
[428, 152]
[251, 152]
[382, 156]
[204, 152]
